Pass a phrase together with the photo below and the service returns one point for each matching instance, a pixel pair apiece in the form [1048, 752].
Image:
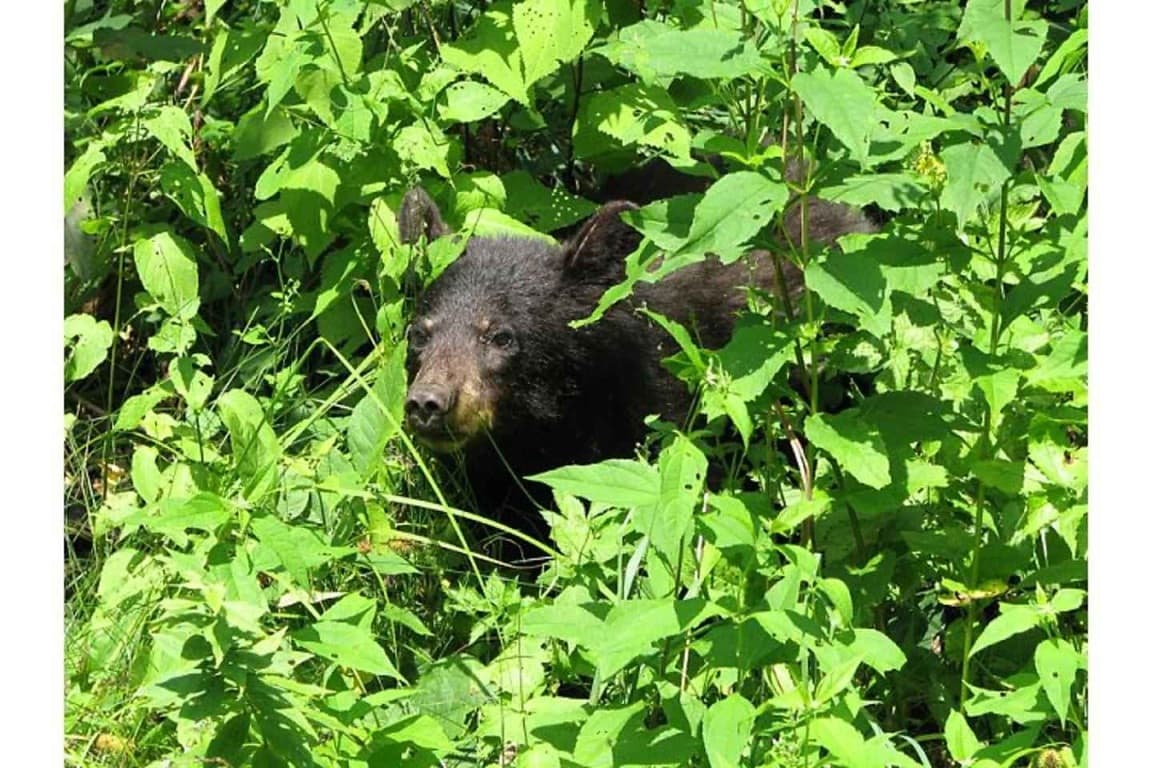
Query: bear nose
[427, 405]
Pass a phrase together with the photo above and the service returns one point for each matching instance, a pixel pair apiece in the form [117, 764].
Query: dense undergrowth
[263, 570]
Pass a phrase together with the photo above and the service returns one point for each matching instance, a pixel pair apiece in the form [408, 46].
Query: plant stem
[985, 445]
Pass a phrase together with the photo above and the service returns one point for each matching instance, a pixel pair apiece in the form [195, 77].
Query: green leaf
[631, 115]
[619, 482]
[1056, 664]
[166, 265]
[904, 76]
[298, 549]
[726, 729]
[961, 740]
[86, 341]
[633, 626]
[890, 191]
[756, 353]
[542, 208]
[730, 214]
[172, 128]
[855, 284]
[489, 49]
[1013, 620]
[842, 101]
[469, 101]
[146, 478]
[377, 417]
[551, 32]
[348, 645]
[841, 740]
[81, 170]
[975, 172]
[657, 52]
[683, 467]
[255, 449]
[194, 195]
[423, 145]
[190, 382]
[259, 132]
[1013, 44]
[876, 649]
[570, 622]
[174, 517]
[855, 444]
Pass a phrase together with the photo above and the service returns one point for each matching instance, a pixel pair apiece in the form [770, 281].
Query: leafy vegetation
[888, 571]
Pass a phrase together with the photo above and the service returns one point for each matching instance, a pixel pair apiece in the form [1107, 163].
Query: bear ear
[420, 216]
[603, 241]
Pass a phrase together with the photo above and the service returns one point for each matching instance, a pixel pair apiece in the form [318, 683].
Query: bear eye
[417, 337]
[502, 339]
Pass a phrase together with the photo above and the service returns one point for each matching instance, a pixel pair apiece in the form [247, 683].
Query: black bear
[496, 372]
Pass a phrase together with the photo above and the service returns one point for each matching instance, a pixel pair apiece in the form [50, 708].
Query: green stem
[985, 446]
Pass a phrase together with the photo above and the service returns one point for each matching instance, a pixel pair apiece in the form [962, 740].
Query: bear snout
[427, 407]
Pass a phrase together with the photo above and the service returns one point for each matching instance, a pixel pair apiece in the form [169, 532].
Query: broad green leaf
[542, 208]
[424, 145]
[904, 76]
[657, 52]
[377, 417]
[854, 443]
[194, 194]
[754, 356]
[1065, 368]
[631, 115]
[349, 645]
[975, 173]
[842, 101]
[134, 409]
[1013, 44]
[282, 59]
[489, 49]
[619, 482]
[1020, 700]
[726, 729]
[255, 449]
[166, 265]
[146, 478]
[876, 650]
[682, 468]
[86, 342]
[731, 213]
[489, 222]
[1013, 620]
[468, 101]
[855, 284]
[1056, 664]
[259, 132]
[890, 191]
[190, 382]
[961, 740]
[297, 548]
[551, 32]
[840, 739]
[574, 623]
[172, 128]
[81, 170]
[173, 518]
[722, 222]
[633, 626]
